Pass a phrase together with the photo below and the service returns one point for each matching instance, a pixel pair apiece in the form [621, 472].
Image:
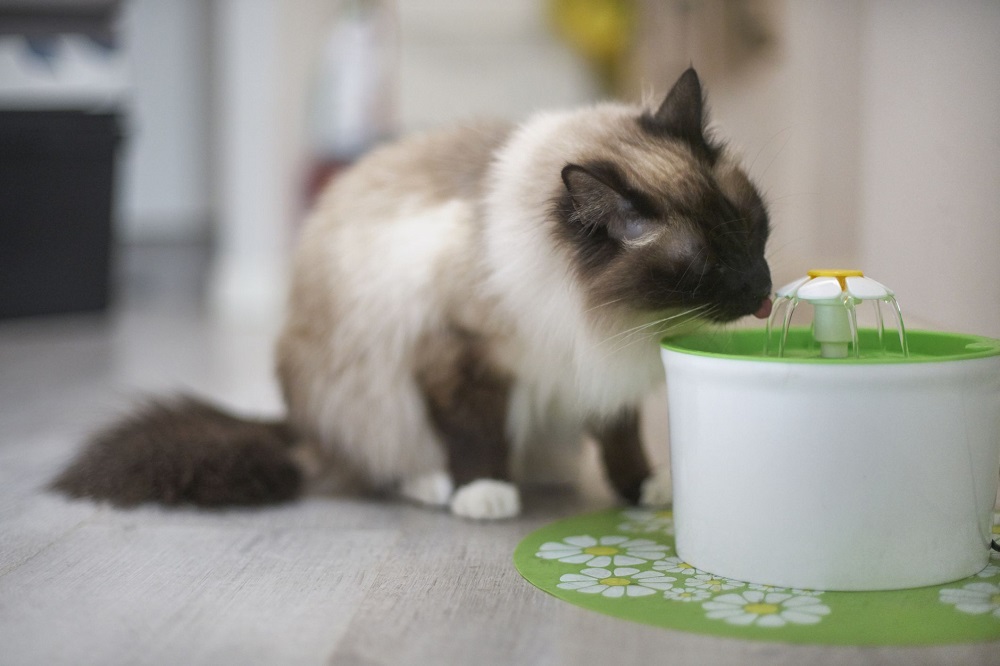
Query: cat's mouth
[759, 307]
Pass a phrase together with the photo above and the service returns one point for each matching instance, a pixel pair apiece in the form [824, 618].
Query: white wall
[251, 181]
[874, 129]
[930, 221]
[165, 173]
[462, 60]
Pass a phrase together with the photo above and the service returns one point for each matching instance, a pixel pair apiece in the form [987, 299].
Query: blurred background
[146, 143]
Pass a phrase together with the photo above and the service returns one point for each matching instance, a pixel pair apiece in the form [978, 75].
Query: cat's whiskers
[637, 334]
[700, 321]
[780, 150]
[612, 301]
[656, 334]
[691, 263]
[701, 278]
[641, 327]
[765, 145]
[626, 335]
[726, 223]
[773, 250]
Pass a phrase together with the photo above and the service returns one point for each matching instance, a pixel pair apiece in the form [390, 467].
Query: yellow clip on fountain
[834, 293]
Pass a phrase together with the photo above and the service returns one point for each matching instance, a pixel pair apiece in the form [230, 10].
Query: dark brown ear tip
[690, 75]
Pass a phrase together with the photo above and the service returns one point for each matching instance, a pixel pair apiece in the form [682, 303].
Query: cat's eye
[631, 229]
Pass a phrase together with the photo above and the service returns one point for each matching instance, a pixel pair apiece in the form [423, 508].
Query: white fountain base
[834, 475]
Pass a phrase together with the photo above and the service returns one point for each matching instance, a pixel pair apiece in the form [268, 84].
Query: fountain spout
[834, 295]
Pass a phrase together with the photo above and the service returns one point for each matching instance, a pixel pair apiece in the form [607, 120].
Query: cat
[472, 299]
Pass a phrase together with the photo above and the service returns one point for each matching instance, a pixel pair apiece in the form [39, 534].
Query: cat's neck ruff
[558, 347]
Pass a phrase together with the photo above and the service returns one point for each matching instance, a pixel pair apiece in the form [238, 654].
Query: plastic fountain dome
[834, 294]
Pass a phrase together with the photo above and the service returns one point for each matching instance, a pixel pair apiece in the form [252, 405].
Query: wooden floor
[323, 581]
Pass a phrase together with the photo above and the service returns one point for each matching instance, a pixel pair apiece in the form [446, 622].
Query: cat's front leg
[625, 460]
[467, 400]
[657, 489]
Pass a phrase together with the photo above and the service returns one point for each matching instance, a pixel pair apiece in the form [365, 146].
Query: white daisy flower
[602, 552]
[765, 609]
[675, 565]
[648, 520]
[622, 582]
[989, 572]
[713, 583]
[686, 594]
[974, 598]
[766, 588]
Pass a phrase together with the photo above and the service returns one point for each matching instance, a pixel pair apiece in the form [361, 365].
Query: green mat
[623, 563]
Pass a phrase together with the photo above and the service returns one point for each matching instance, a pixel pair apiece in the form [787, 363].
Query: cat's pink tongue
[765, 309]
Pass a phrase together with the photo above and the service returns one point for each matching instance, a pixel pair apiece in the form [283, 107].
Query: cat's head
[661, 217]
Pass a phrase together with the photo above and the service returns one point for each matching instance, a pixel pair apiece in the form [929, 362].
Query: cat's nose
[749, 290]
[764, 311]
[758, 282]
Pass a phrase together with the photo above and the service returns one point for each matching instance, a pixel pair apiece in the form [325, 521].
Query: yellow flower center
[664, 514]
[761, 609]
[615, 582]
[601, 550]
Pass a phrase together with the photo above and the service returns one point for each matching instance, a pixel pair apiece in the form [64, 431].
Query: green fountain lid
[800, 346]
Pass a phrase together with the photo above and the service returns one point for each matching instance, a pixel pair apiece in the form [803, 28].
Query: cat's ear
[682, 113]
[682, 116]
[599, 201]
[585, 188]
[593, 197]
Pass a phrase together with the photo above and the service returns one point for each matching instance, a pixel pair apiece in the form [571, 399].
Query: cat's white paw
[657, 489]
[486, 499]
[434, 489]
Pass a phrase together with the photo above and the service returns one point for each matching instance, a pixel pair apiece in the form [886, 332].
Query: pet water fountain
[834, 457]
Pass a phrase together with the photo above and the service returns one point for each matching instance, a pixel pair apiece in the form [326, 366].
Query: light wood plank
[200, 594]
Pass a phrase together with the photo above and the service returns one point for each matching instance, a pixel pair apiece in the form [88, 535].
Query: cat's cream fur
[382, 268]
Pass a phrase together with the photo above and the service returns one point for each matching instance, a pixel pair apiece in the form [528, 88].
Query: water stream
[785, 306]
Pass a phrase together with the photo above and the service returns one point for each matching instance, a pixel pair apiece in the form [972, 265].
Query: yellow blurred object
[601, 30]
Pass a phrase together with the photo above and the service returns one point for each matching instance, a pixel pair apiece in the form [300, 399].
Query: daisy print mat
[622, 562]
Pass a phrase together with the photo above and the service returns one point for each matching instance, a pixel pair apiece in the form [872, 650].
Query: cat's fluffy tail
[186, 452]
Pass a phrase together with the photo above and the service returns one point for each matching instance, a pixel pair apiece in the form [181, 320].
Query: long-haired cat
[464, 299]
